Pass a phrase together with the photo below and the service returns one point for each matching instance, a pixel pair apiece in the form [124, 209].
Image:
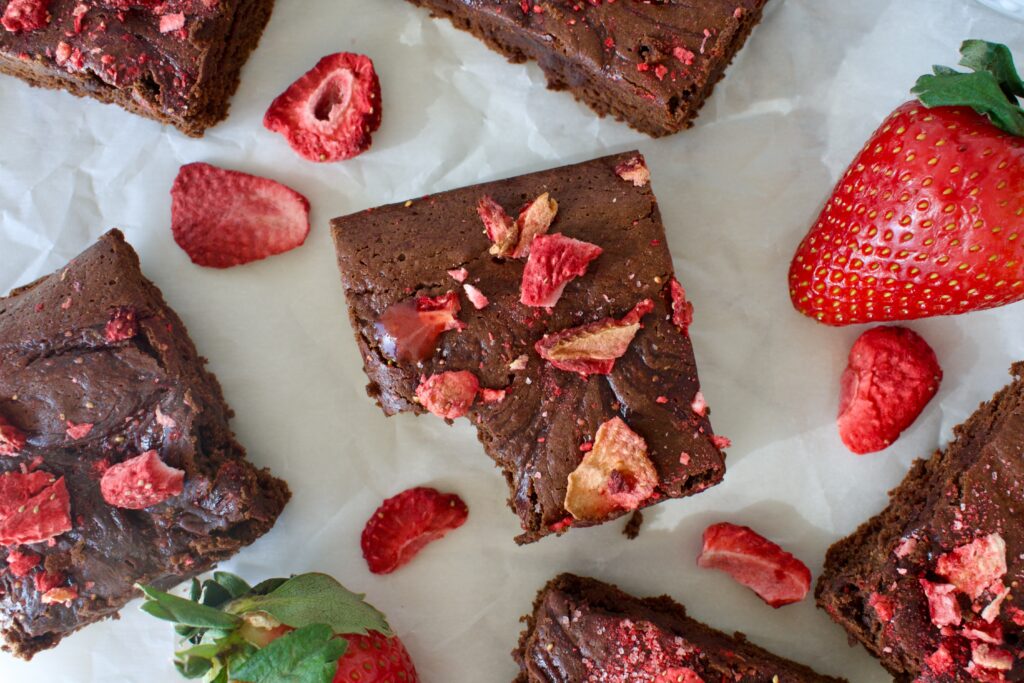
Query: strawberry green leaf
[996, 59]
[185, 612]
[268, 586]
[193, 668]
[979, 90]
[234, 585]
[306, 655]
[315, 599]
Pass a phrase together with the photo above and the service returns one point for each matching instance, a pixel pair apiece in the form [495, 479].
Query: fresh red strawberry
[928, 218]
[332, 111]
[777, 577]
[408, 330]
[224, 218]
[554, 261]
[375, 658]
[141, 482]
[405, 523]
[891, 376]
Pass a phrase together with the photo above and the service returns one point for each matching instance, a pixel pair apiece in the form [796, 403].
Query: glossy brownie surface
[86, 402]
[393, 253]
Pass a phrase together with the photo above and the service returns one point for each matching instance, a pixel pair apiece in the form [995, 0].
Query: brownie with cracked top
[584, 631]
[176, 61]
[587, 399]
[930, 585]
[651, 64]
[117, 464]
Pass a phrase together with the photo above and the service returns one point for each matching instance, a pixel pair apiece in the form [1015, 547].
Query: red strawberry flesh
[26, 15]
[375, 658]
[554, 261]
[592, 349]
[891, 376]
[12, 439]
[776, 576]
[141, 482]
[34, 507]
[404, 524]
[448, 395]
[224, 218]
[332, 111]
[408, 330]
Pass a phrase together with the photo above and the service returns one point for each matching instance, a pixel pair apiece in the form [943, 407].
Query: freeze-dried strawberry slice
[332, 111]
[634, 170]
[476, 297]
[405, 523]
[942, 605]
[976, 566]
[26, 15]
[616, 474]
[449, 394]
[682, 310]
[224, 218]
[684, 675]
[34, 507]
[122, 325]
[62, 595]
[515, 238]
[498, 225]
[996, 659]
[20, 562]
[141, 482]
[554, 261]
[891, 376]
[408, 330]
[593, 349]
[12, 439]
[776, 576]
[533, 222]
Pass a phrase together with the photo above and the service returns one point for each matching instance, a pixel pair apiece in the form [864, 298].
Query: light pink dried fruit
[554, 261]
[408, 330]
[476, 297]
[514, 238]
[449, 394]
[489, 396]
[942, 605]
[46, 581]
[79, 431]
[682, 310]
[634, 170]
[674, 675]
[615, 475]
[21, 562]
[989, 657]
[141, 482]
[940, 661]
[976, 566]
[593, 349]
[498, 225]
[533, 222]
[172, 22]
[984, 632]
[122, 325]
[458, 274]
[12, 439]
[26, 15]
[62, 595]
[34, 507]
[883, 606]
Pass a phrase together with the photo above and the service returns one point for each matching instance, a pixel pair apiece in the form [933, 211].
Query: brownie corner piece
[650, 64]
[436, 312]
[177, 62]
[117, 463]
[928, 585]
[582, 629]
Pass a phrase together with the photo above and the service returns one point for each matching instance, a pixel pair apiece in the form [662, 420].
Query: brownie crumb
[632, 528]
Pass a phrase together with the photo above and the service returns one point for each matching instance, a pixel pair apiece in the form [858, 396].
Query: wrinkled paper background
[737, 193]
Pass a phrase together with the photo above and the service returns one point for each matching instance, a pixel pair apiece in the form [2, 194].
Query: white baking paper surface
[737, 193]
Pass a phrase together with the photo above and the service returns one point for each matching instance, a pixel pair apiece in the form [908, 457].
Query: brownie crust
[184, 77]
[652, 65]
[149, 392]
[872, 581]
[583, 630]
[389, 254]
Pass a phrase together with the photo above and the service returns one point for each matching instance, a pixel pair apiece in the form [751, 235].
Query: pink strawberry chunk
[409, 330]
[554, 261]
[34, 507]
[593, 349]
[141, 482]
[450, 394]
[404, 524]
[12, 439]
[976, 566]
[26, 15]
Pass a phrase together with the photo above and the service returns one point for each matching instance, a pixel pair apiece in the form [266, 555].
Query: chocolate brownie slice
[651, 64]
[929, 585]
[176, 61]
[414, 275]
[117, 465]
[582, 631]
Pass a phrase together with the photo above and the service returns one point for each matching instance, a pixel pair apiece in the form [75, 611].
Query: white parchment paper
[737, 193]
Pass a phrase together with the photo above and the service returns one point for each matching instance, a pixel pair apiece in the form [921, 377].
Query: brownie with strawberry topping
[582, 630]
[117, 463]
[929, 585]
[650, 64]
[559, 329]
[176, 61]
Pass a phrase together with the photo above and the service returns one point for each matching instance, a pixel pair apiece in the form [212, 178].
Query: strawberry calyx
[297, 628]
[992, 87]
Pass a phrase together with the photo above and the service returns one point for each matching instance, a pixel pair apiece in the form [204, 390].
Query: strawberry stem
[991, 88]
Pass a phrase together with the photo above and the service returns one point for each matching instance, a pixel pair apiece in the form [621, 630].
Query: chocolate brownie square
[117, 465]
[589, 401]
[930, 585]
[176, 61]
[651, 64]
[582, 630]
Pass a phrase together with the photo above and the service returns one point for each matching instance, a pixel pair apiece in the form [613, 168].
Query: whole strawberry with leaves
[306, 629]
[929, 218]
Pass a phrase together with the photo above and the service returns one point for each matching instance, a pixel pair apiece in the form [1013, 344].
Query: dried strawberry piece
[891, 376]
[21, 562]
[332, 111]
[12, 439]
[984, 632]
[675, 675]
[489, 396]
[615, 475]
[634, 170]
[498, 225]
[534, 221]
[408, 330]
[554, 261]
[940, 661]
[78, 431]
[515, 238]
[405, 523]
[975, 567]
[26, 15]
[141, 482]
[62, 595]
[883, 606]
[990, 657]
[224, 218]
[34, 507]
[122, 325]
[592, 349]
[942, 605]
[776, 576]
[682, 310]
[448, 394]
[172, 22]
[45, 581]
[458, 274]
[476, 297]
